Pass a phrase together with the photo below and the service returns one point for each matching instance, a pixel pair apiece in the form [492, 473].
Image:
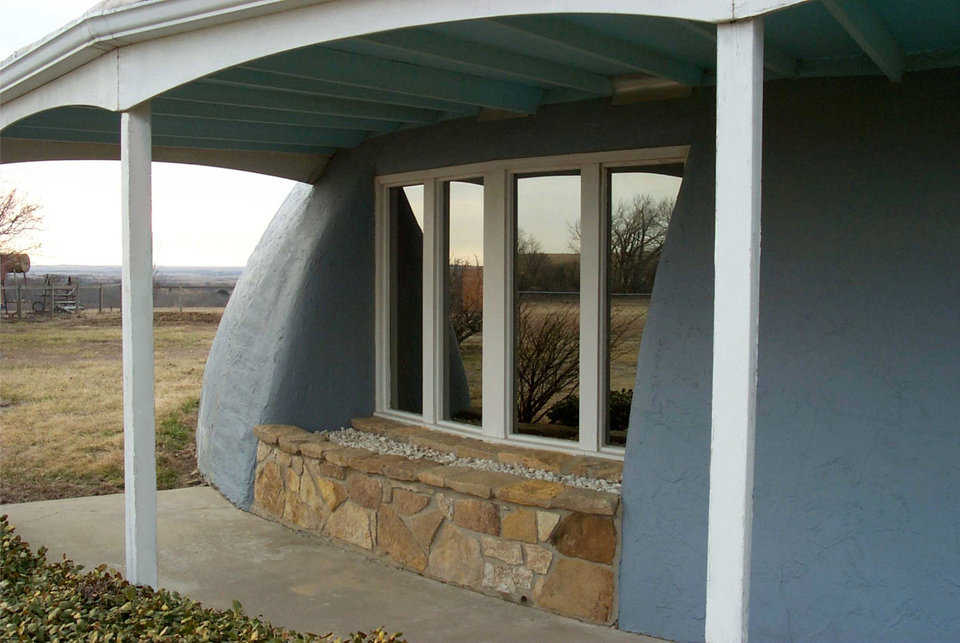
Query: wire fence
[24, 300]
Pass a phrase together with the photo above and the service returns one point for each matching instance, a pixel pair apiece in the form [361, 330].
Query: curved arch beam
[195, 38]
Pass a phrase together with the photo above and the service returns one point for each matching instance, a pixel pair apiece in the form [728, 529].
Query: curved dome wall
[857, 441]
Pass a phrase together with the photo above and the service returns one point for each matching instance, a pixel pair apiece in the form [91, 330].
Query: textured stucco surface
[857, 512]
[857, 527]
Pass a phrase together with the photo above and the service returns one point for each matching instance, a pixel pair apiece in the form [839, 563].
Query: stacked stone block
[530, 541]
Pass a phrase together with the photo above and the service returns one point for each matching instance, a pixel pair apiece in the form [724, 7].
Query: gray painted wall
[857, 515]
[857, 527]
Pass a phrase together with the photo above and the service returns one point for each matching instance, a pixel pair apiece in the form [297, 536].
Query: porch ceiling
[317, 99]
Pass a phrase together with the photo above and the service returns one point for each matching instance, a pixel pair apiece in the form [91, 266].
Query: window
[638, 213]
[511, 295]
[463, 298]
[546, 280]
[406, 302]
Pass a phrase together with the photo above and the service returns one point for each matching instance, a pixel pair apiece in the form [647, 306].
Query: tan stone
[331, 470]
[590, 467]
[506, 579]
[577, 588]
[390, 428]
[477, 515]
[291, 501]
[353, 524]
[268, 489]
[586, 536]
[508, 552]
[520, 525]
[264, 451]
[535, 459]
[363, 490]
[291, 443]
[345, 456]
[587, 501]
[395, 540]
[270, 433]
[405, 469]
[437, 476]
[445, 503]
[315, 445]
[537, 558]
[546, 521]
[301, 513]
[455, 558]
[443, 442]
[478, 449]
[539, 493]
[331, 493]
[424, 526]
[296, 464]
[374, 463]
[482, 484]
[408, 502]
[282, 459]
[291, 480]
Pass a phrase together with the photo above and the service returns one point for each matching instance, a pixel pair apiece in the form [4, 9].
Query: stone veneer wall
[528, 541]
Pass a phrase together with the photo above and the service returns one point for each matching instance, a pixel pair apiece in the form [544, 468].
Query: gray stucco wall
[857, 527]
[857, 511]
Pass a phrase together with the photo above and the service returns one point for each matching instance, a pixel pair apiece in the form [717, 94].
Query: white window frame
[498, 305]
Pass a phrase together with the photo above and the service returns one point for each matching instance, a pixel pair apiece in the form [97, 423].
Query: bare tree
[17, 217]
[531, 262]
[638, 230]
[548, 355]
[465, 298]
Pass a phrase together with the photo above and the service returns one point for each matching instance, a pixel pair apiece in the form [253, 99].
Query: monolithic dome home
[464, 277]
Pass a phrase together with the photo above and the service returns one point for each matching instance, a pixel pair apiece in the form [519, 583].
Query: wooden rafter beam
[574, 37]
[371, 72]
[481, 58]
[867, 28]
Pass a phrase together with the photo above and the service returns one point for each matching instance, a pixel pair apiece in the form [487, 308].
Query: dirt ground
[61, 413]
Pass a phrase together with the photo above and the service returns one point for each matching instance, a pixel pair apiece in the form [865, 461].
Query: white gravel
[387, 446]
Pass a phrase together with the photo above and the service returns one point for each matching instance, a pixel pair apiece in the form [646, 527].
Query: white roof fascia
[132, 26]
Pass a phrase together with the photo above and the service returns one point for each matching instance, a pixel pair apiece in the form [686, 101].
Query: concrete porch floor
[215, 553]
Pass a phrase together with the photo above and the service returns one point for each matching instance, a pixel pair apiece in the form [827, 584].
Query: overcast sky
[201, 216]
[212, 217]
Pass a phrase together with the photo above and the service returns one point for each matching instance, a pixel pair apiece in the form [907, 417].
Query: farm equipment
[58, 299]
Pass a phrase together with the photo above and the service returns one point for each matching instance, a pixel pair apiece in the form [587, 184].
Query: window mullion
[432, 301]
[592, 309]
[497, 305]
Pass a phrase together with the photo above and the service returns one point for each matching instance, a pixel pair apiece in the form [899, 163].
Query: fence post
[53, 300]
[180, 297]
[100, 300]
[19, 303]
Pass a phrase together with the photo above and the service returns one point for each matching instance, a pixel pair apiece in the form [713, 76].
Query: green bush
[567, 411]
[43, 601]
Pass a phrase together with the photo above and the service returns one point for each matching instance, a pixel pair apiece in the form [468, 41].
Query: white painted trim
[381, 290]
[499, 222]
[498, 242]
[592, 308]
[668, 155]
[532, 441]
[139, 458]
[735, 320]
[432, 316]
[188, 35]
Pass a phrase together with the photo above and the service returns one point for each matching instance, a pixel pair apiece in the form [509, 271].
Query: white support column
[593, 310]
[497, 305]
[735, 315]
[432, 296]
[139, 459]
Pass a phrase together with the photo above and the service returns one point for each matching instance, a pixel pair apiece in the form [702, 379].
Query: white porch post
[735, 314]
[139, 460]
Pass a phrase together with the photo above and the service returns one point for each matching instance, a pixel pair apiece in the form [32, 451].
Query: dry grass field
[61, 414]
